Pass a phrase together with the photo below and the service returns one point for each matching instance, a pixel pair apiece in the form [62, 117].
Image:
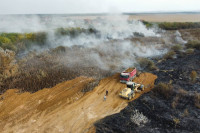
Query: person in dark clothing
[106, 92]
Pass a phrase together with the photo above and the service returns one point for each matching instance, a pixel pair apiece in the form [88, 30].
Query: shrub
[186, 112]
[175, 102]
[40, 38]
[197, 100]
[6, 43]
[182, 92]
[9, 46]
[30, 36]
[146, 63]
[176, 121]
[180, 95]
[138, 118]
[177, 47]
[178, 25]
[147, 24]
[69, 31]
[59, 49]
[90, 86]
[163, 89]
[72, 32]
[4, 40]
[169, 55]
[189, 51]
[12, 36]
[193, 44]
[193, 76]
[19, 41]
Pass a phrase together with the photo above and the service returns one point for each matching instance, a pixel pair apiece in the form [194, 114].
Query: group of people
[105, 95]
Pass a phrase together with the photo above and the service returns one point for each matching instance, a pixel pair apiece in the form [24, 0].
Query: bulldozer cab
[130, 85]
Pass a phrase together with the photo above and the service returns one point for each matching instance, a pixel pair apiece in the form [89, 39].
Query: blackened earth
[162, 116]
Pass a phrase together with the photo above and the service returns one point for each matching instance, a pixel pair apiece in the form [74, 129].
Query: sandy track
[64, 108]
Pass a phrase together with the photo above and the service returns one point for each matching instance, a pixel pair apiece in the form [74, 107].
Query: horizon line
[107, 13]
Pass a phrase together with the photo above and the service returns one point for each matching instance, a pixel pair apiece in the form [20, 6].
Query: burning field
[55, 70]
[44, 55]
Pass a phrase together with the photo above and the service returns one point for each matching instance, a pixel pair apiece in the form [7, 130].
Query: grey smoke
[113, 49]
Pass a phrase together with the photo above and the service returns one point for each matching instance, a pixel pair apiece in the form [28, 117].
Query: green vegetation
[19, 41]
[178, 25]
[193, 44]
[163, 89]
[22, 41]
[147, 24]
[172, 25]
[72, 32]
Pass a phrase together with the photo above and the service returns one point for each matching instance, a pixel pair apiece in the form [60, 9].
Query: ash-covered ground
[174, 110]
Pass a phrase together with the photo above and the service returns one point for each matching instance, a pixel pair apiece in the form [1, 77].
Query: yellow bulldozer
[131, 88]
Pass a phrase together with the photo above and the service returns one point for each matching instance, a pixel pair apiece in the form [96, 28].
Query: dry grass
[193, 44]
[185, 113]
[177, 47]
[45, 71]
[169, 55]
[163, 89]
[58, 50]
[182, 92]
[193, 76]
[197, 100]
[176, 121]
[189, 51]
[91, 86]
[175, 102]
[147, 63]
[180, 95]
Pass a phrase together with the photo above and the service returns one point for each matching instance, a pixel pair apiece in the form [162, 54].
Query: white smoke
[110, 48]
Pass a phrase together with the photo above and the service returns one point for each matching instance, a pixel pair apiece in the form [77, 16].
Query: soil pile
[65, 108]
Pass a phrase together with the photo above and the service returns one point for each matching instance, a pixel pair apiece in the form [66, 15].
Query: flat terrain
[168, 17]
[151, 17]
[64, 108]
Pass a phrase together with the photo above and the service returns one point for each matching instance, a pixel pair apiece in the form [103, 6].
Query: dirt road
[64, 108]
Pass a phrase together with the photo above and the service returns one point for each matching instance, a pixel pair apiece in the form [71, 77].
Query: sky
[95, 6]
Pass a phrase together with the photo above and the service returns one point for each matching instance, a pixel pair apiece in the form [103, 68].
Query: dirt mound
[64, 108]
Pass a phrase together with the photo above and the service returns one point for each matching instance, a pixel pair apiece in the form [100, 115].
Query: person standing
[106, 92]
[104, 97]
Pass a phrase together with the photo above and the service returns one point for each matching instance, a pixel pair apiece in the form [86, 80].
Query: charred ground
[172, 106]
